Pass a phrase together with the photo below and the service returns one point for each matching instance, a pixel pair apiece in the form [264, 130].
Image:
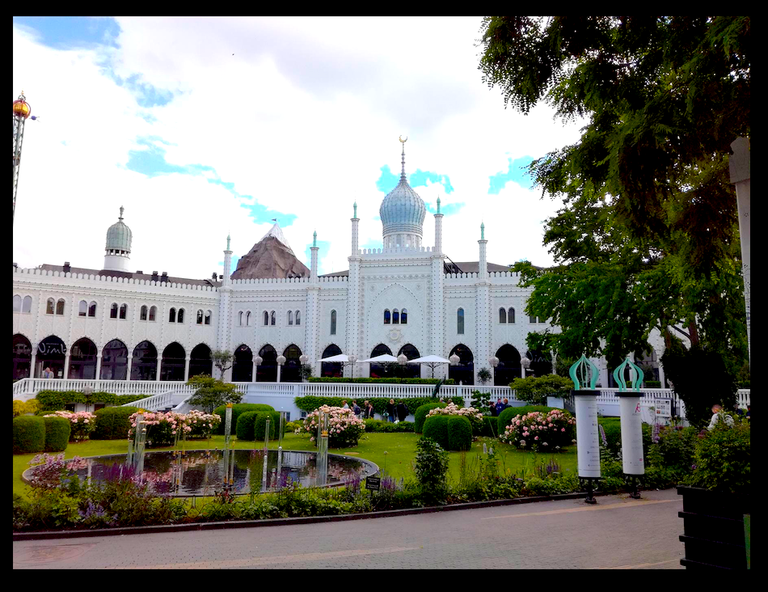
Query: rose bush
[344, 428]
[540, 431]
[162, 428]
[83, 423]
[201, 424]
[474, 416]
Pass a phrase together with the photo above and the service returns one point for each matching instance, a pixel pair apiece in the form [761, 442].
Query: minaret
[438, 229]
[354, 311]
[436, 327]
[482, 308]
[355, 230]
[223, 321]
[313, 264]
[312, 321]
[117, 252]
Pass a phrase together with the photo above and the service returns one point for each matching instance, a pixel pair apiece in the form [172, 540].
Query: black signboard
[373, 483]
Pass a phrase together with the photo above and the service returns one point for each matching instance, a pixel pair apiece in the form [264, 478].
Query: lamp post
[257, 362]
[454, 361]
[493, 361]
[352, 361]
[402, 359]
[525, 363]
[303, 359]
[280, 362]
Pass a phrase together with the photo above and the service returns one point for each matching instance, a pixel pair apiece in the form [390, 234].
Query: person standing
[492, 408]
[717, 412]
[499, 406]
[391, 410]
[356, 408]
[369, 411]
[402, 411]
[344, 404]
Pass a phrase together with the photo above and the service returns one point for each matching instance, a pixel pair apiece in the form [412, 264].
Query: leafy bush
[490, 427]
[474, 416]
[536, 389]
[57, 431]
[28, 434]
[722, 459]
[24, 407]
[81, 424]
[251, 425]
[506, 416]
[112, 423]
[244, 426]
[539, 431]
[344, 427]
[612, 430]
[311, 403]
[459, 433]
[431, 468]
[421, 414]
[50, 401]
[368, 380]
[237, 409]
[211, 393]
[201, 424]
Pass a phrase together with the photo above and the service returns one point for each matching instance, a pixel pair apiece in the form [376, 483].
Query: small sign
[373, 483]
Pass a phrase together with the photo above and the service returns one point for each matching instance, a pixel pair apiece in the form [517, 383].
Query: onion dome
[403, 211]
[119, 236]
[21, 108]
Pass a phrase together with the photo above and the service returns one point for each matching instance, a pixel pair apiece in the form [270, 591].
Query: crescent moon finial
[401, 139]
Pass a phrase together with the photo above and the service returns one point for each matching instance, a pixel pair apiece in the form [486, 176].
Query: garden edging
[64, 534]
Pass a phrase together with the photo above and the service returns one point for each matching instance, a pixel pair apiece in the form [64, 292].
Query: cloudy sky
[202, 127]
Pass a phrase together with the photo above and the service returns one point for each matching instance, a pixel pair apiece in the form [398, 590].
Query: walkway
[616, 533]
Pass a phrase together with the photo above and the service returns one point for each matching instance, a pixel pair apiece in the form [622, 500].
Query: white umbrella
[336, 358]
[382, 359]
[431, 361]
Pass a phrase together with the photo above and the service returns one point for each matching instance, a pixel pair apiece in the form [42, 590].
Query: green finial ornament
[228, 239]
[482, 231]
[582, 369]
[355, 208]
[618, 376]
[314, 238]
[438, 204]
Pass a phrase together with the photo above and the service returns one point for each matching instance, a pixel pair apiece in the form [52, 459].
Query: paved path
[616, 533]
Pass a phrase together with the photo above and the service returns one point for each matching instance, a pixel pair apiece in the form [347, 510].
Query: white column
[130, 365]
[354, 313]
[159, 362]
[98, 365]
[740, 177]
[33, 360]
[482, 308]
[66, 365]
[186, 369]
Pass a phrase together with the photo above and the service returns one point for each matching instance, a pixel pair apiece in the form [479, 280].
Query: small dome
[21, 107]
[402, 210]
[119, 236]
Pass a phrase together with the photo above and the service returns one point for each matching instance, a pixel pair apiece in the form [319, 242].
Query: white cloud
[301, 119]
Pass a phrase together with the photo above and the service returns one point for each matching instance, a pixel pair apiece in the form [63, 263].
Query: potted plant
[716, 499]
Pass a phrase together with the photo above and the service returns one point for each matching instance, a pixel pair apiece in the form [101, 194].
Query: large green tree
[648, 235]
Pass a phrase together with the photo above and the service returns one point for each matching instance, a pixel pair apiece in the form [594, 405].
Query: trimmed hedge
[490, 427]
[505, 417]
[310, 403]
[612, 429]
[244, 426]
[237, 410]
[112, 423]
[57, 430]
[377, 425]
[436, 429]
[459, 433]
[421, 415]
[251, 425]
[57, 400]
[28, 434]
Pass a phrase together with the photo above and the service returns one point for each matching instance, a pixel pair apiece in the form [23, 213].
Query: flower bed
[201, 424]
[344, 428]
[541, 431]
[474, 416]
[82, 422]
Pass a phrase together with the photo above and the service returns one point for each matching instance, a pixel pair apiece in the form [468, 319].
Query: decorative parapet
[509, 275]
[397, 251]
[253, 281]
[112, 279]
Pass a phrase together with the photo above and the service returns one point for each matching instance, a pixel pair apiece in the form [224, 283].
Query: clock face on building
[395, 335]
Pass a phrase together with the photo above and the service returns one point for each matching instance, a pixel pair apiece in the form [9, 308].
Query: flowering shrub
[50, 472]
[540, 431]
[82, 422]
[474, 416]
[162, 428]
[201, 424]
[344, 428]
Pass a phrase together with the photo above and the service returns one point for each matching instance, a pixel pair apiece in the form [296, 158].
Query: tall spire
[121, 213]
[402, 172]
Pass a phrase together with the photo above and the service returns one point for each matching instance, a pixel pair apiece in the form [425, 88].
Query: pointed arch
[267, 370]
[82, 359]
[173, 362]
[464, 371]
[242, 365]
[144, 365]
[200, 361]
[114, 361]
[509, 366]
[333, 369]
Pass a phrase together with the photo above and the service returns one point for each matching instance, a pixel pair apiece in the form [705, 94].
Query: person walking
[391, 410]
[492, 408]
[369, 411]
[499, 407]
[344, 404]
[356, 408]
[717, 412]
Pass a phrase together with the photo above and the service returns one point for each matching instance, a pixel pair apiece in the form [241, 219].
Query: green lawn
[394, 452]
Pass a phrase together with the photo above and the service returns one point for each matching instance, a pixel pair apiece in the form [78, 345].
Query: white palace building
[406, 298]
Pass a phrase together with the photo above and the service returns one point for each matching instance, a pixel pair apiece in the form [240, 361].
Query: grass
[394, 452]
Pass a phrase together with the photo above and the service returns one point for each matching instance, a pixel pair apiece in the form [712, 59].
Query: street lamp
[303, 359]
[493, 361]
[352, 361]
[280, 362]
[525, 363]
[257, 361]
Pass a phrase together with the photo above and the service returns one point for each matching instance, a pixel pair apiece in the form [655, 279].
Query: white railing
[155, 402]
[32, 386]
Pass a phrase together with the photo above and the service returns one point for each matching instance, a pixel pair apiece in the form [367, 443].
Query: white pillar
[98, 365]
[740, 177]
[130, 365]
[186, 368]
[33, 360]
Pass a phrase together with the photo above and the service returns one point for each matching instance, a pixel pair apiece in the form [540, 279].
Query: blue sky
[202, 127]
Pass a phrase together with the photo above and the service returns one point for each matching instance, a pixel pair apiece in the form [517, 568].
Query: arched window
[395, 317]
[143, 313]
[17, 303]
[199, 317]
[502, 316]
[272, 318]
[152, 313]
[27, 304]
[82, 308]
[298, 318]
[248, 318]
[172, 315]
[290, 317]
[460, 321]
[114, 361]
[240, 318]
[180, 316]
[92, 309]
[113, 311]
[511, 315]
[266, 318]
[403, 317]
[333, 322]
[60, 306]
[387, 316]
[207, 317]
[200, 361]
[49, 306]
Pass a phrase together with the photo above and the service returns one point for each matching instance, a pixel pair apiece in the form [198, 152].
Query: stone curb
[67, 534]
